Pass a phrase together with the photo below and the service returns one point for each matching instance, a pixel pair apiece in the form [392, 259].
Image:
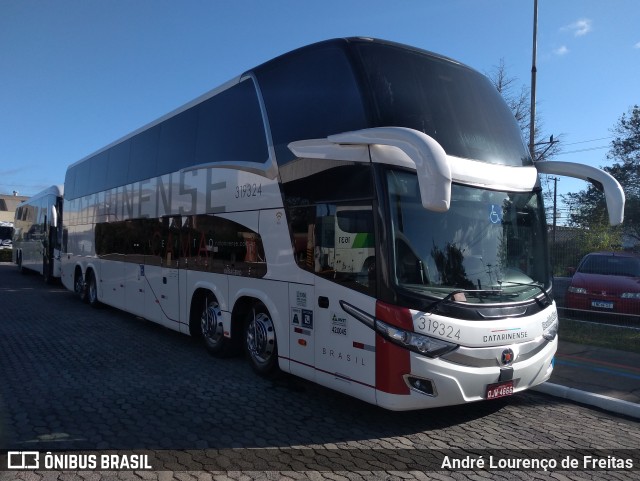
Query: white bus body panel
[345, 348]
[458, 384]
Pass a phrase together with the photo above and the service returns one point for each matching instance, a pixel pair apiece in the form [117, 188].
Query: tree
[588, 206]
[518, 100]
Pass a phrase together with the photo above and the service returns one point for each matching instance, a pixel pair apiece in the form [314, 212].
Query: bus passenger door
[345, 347]
[344, 263]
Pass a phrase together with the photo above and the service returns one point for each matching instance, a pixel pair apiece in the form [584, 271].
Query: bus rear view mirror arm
[432, 164]
[599, 178]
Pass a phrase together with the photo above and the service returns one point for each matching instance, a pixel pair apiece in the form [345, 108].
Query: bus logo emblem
[507, 357]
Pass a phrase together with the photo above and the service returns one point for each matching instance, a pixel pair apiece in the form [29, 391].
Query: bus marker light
[302, 342]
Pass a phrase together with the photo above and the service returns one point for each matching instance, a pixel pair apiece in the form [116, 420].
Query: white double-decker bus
[37, 233]
[220, 220]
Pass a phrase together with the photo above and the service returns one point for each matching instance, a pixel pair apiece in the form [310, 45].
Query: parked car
[606, 282]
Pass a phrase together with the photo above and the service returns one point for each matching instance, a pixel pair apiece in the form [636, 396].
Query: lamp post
[532, 124]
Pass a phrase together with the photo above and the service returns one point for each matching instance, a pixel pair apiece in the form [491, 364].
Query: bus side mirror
[428, 156]
[602, 180]
[53, 217]
[432, 164]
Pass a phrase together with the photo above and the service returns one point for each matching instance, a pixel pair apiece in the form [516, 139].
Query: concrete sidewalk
[604, 378]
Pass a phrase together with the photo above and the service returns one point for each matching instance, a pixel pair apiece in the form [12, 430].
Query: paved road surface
[75, 378]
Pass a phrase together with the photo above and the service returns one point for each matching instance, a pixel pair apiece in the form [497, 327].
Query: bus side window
[336, 241]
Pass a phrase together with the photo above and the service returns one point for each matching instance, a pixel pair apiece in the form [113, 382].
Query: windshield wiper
[529, 284]
[448, 297]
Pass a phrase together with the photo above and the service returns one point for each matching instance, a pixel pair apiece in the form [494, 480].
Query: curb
[617, 406]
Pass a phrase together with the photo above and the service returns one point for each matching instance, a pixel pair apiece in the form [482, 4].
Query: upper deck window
[227, 127]
[310, 94]
[454, 104]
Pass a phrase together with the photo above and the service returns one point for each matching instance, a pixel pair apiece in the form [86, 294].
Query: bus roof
[344, 42]
[57, 190]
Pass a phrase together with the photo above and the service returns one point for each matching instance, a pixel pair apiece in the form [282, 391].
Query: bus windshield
[490, 244]
[458, 107]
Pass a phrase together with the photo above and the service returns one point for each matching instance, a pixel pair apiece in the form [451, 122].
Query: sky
[76, 75]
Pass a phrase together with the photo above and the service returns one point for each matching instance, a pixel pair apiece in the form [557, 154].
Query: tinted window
[332, 228]
[98, 173]
[70, 183]
[307, 181]
[225, 128]
[454, 104]
[231, 128]
[118, 165]
[355, 221]
[177, 142]
[321, 246]
[144, 154]
[202, 242]
[309, 94]
[83, 178]
[611, 266]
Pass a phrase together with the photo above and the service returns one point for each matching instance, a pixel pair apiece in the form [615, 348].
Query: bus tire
[79, 288]
[212, 330]
[19, 262]
[260, 343]
[91, 295]
[46, 270]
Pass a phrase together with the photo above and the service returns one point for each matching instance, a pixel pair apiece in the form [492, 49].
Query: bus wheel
[46, 270]
[79, 288]
[211, 328]
[91, 295]
[260, 342]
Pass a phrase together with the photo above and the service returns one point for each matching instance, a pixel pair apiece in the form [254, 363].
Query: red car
[606, 282]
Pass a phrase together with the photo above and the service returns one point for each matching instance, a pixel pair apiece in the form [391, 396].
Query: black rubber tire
[91, 290]
[79, 287]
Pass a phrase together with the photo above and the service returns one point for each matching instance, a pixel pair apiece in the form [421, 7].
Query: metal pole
[555, 207]
[532, 125]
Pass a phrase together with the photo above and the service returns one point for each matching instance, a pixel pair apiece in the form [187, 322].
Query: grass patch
[5, 255]
[600, 335]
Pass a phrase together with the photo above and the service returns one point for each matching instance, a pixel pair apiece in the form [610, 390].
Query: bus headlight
[552, 331]
[425, 345]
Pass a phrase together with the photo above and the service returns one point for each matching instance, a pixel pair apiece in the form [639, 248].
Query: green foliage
[573, 244]
[589, 207]
[5, 255]
[600, 335]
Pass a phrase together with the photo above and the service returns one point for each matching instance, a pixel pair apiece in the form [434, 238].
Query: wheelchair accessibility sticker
[495, 214]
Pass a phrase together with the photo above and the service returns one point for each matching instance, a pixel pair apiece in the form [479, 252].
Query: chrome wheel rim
[261, 340]
[211, 323]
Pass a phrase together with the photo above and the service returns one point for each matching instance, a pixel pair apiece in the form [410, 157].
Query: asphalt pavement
[605, 378]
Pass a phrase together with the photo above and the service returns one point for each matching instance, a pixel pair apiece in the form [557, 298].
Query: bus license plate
[602, 304]
[500, 389]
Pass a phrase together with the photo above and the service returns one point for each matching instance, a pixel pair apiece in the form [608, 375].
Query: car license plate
[500, 389]
[602, 304]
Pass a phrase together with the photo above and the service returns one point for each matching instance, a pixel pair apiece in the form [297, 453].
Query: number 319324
[439, 328]
[248, 190]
